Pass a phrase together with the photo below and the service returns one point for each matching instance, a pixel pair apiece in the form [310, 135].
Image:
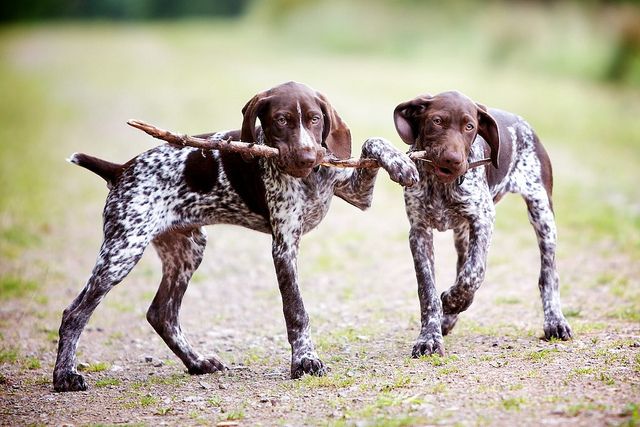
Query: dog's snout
[306, 159]
[452, 158]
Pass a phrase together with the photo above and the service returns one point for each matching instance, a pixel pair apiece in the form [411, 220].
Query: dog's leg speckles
[430, 339]
[286, 224]
[542, 219]
[114, 262]
[181, 253]
[471, 274]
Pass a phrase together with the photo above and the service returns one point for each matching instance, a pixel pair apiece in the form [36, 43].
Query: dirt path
[359, 289]
[356, 270]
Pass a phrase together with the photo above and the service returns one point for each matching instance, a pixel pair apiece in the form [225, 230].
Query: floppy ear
[336, 136]
[407, 115]
[250, 112]
[488, 129]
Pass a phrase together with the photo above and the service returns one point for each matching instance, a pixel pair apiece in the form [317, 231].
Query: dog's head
[300, 123]
[445, 126]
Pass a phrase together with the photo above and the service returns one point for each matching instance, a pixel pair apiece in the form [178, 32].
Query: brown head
[300, 123]
[445, 125]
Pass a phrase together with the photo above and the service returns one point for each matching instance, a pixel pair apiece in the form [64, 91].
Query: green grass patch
[16, 287]
[513, 403]
[629, 313]
[234, 415]
[400, 381]
[327, 381]
[94, 367]
[437, 360]
[507, 300]
[214, 401]
[9, 355]
[31, 363]
[106, 382]
[541, 355]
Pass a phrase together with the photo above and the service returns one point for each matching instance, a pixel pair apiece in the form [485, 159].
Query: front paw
[307, 364]
[206, 366]
[427, 344]
[400, 167]
[455, 301]
[69, 381]
[557, 327]
[448, 322]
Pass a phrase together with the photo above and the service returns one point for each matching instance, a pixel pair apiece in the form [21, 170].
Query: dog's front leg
[356, 186]
[304, 359]
[430, 340]
[471, 275]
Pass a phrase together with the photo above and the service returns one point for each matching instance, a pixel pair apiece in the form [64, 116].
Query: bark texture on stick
[257, 150]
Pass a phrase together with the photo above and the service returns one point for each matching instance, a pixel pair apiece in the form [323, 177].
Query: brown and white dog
[167, 195]
[455, 131]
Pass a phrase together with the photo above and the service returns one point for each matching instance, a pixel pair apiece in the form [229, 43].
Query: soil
[359, 288]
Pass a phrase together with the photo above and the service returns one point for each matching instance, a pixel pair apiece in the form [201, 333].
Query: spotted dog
[455, 131]
[166, 195]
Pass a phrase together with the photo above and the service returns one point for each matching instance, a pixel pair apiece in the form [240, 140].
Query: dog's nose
[306, 159]
[452, 158]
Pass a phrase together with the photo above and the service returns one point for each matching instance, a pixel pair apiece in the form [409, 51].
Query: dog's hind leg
[181, 253]
[461, 242]
[542, 219]
[120, 251]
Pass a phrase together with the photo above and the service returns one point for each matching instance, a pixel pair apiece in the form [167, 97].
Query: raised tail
[108, 171]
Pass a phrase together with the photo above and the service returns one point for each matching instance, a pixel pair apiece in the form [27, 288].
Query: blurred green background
[72, 72]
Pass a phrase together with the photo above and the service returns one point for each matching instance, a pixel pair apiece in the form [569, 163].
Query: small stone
[116, 368]
[223, 386]
[148, 359]
[158, 363]
[204, 385]
[264, 399]
[83, 366]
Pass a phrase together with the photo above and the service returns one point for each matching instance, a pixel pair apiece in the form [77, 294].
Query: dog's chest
[304, 201]
[442, 210]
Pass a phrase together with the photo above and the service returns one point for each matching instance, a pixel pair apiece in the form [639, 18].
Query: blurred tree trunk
[626, 23]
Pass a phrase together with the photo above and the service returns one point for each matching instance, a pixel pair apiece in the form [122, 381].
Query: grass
[541, 355]
[9, 355]
[107, 382]
[94, 367]
[16, 287]
[546, 71]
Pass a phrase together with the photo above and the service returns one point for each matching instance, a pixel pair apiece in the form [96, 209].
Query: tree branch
[263, 150]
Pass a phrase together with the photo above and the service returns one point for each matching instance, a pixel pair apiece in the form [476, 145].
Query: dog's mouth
[299, 173]
[445, 174]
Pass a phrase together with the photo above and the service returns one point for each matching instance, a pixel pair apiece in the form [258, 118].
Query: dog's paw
[69, 381]
[557, 327]
[403, 171]
[448, 322]
[307, 364]
[455, 301]
[428, 344]
[207, 366]
[400, 167]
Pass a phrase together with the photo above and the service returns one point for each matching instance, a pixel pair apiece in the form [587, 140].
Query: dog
[454, 131]
[166, 196]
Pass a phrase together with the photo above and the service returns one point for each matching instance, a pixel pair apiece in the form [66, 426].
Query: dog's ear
[336, 136]
[250, 113]
[407, 117]
[488, 129]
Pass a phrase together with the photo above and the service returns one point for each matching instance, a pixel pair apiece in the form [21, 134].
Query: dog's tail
[106, 170]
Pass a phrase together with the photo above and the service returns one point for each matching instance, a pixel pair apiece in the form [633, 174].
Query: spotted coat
[167, 195]
[467, 208]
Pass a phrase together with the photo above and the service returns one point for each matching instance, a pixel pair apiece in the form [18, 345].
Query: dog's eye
[469, 127]
[315, 120]
[437, 121]
[282, 121]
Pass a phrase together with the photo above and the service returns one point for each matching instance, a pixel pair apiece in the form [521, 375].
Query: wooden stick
[263, 150]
